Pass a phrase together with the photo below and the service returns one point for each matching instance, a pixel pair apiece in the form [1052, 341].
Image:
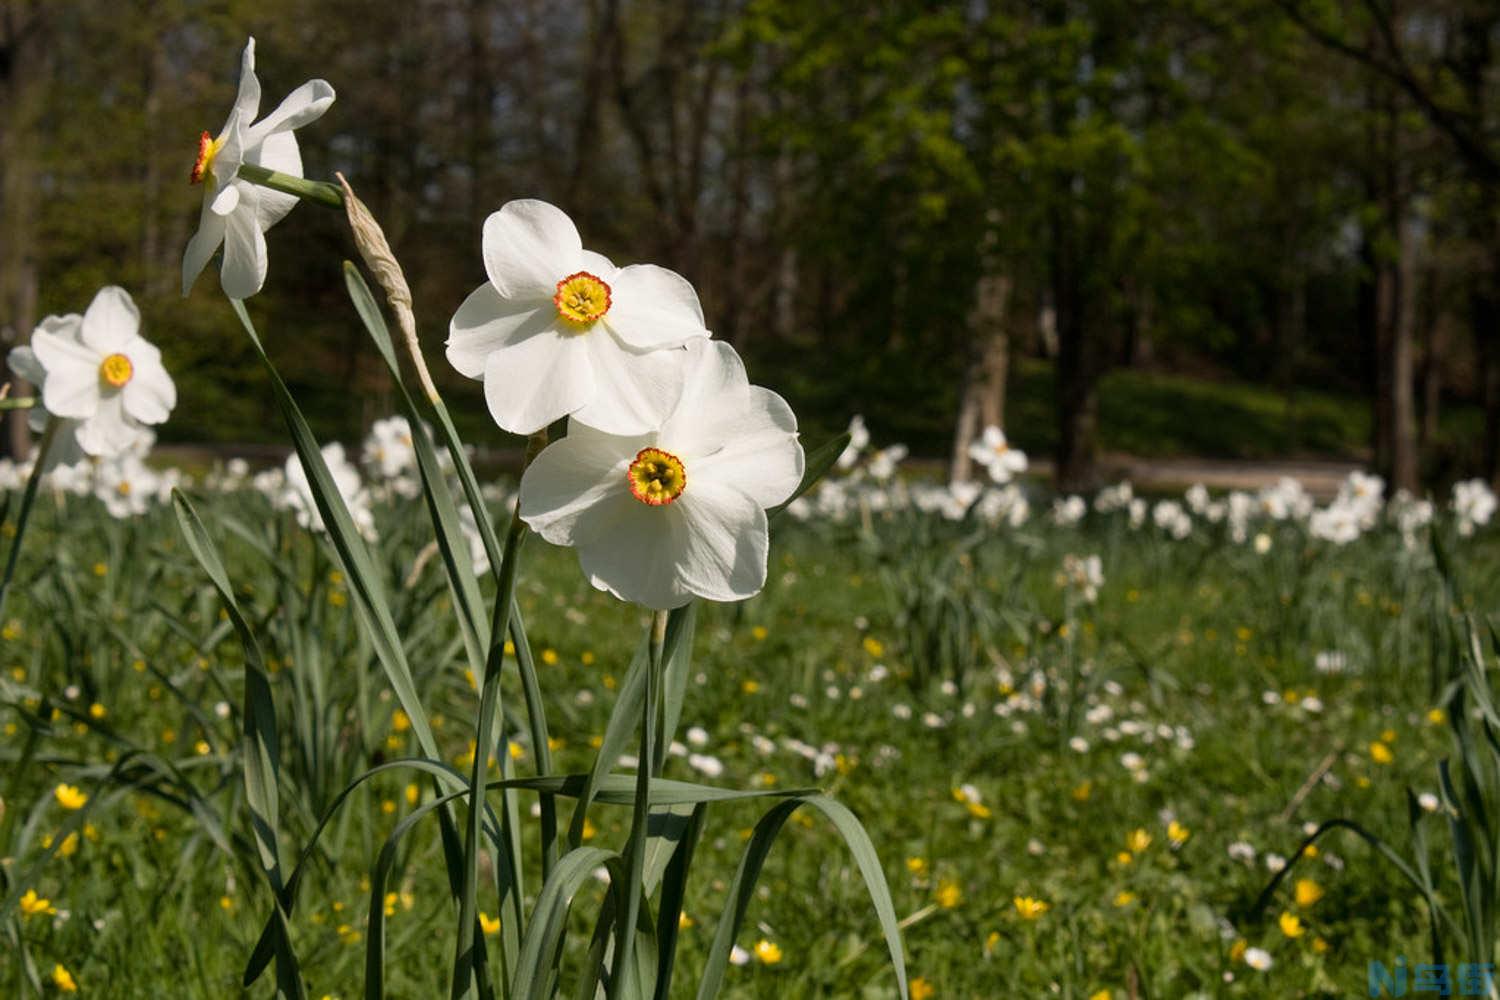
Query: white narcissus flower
[236, 213]
[558, 330]
[99, 374]
[297, 496]
[126, 485]
[994, 452]
[679, 511]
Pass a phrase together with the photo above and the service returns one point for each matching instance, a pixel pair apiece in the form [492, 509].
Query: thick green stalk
[27, 499]
[463, 960]
[318, 192]
[18, 402]
[626, 915]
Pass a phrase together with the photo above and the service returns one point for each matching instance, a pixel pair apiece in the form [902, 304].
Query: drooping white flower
[679, 511]
[237, 213]
[994, 452]
[296, 494]
[558, 330]
[97, 372]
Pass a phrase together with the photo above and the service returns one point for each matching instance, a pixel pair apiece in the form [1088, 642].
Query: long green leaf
[261, 744]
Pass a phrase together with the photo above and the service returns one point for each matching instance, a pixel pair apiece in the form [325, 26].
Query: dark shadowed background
[1219, 228]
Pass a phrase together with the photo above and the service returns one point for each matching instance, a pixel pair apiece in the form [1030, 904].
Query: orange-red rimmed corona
[581, 298]
[208, 148]
[656, 477]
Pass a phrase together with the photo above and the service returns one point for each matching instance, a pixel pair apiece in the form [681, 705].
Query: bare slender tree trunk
[21, 89]
[982, 403]
[1405, 464]
[1487, 335]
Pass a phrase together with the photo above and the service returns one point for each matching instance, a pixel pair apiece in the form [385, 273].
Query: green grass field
[997, 739]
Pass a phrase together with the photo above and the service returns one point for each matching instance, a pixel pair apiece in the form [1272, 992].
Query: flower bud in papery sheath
[559, 330]
[236, 213]
[679, 511]
[98, 374]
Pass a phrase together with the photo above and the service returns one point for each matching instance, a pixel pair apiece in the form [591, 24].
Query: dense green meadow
[1005, 742]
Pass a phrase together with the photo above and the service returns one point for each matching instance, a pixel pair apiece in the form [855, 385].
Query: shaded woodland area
[886, 206]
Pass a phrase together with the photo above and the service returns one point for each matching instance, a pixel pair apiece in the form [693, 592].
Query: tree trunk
[1405, 466]
[1487, 336]
[1435, 347]
[22, 83]
[983, 399]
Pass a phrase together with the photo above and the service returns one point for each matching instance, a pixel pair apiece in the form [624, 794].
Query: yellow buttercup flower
[1031, 908]
[1177, 833]
[1238, 949]
[1137, 840]
[768, 952]
[949, 894]
[69, 797]
[1380, 753]
[921, 989]
[1124, 898]
[490, 925]
[1291, 925]
[63, 979]
[1308, 892]
[33, 905]
[917, 866]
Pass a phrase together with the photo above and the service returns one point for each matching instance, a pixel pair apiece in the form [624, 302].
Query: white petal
[714, 389]
[599, 266]
[111, 321]
[653, 307]
[243, 270]
[304, 105]
[226, 201]
[280, 153]
[531, 382]
[726, 543]
[632, 549]
[201, 247]
[150, 394]
[633, 393]
[528, 247]
[24, 364]
[71, 390]
[760, 456]
[108, 432]
[247, 101]
[486, 322]
[72, 385]
[571, 476]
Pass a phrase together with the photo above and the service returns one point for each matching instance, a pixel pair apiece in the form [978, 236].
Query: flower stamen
[208, 148]
[656, 477]
[116, 370]
[581, 299]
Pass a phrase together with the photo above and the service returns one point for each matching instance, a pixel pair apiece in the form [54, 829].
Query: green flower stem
[318, 192]
[636, 846]
[468, 927]
[19, 403]
[24, 515]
